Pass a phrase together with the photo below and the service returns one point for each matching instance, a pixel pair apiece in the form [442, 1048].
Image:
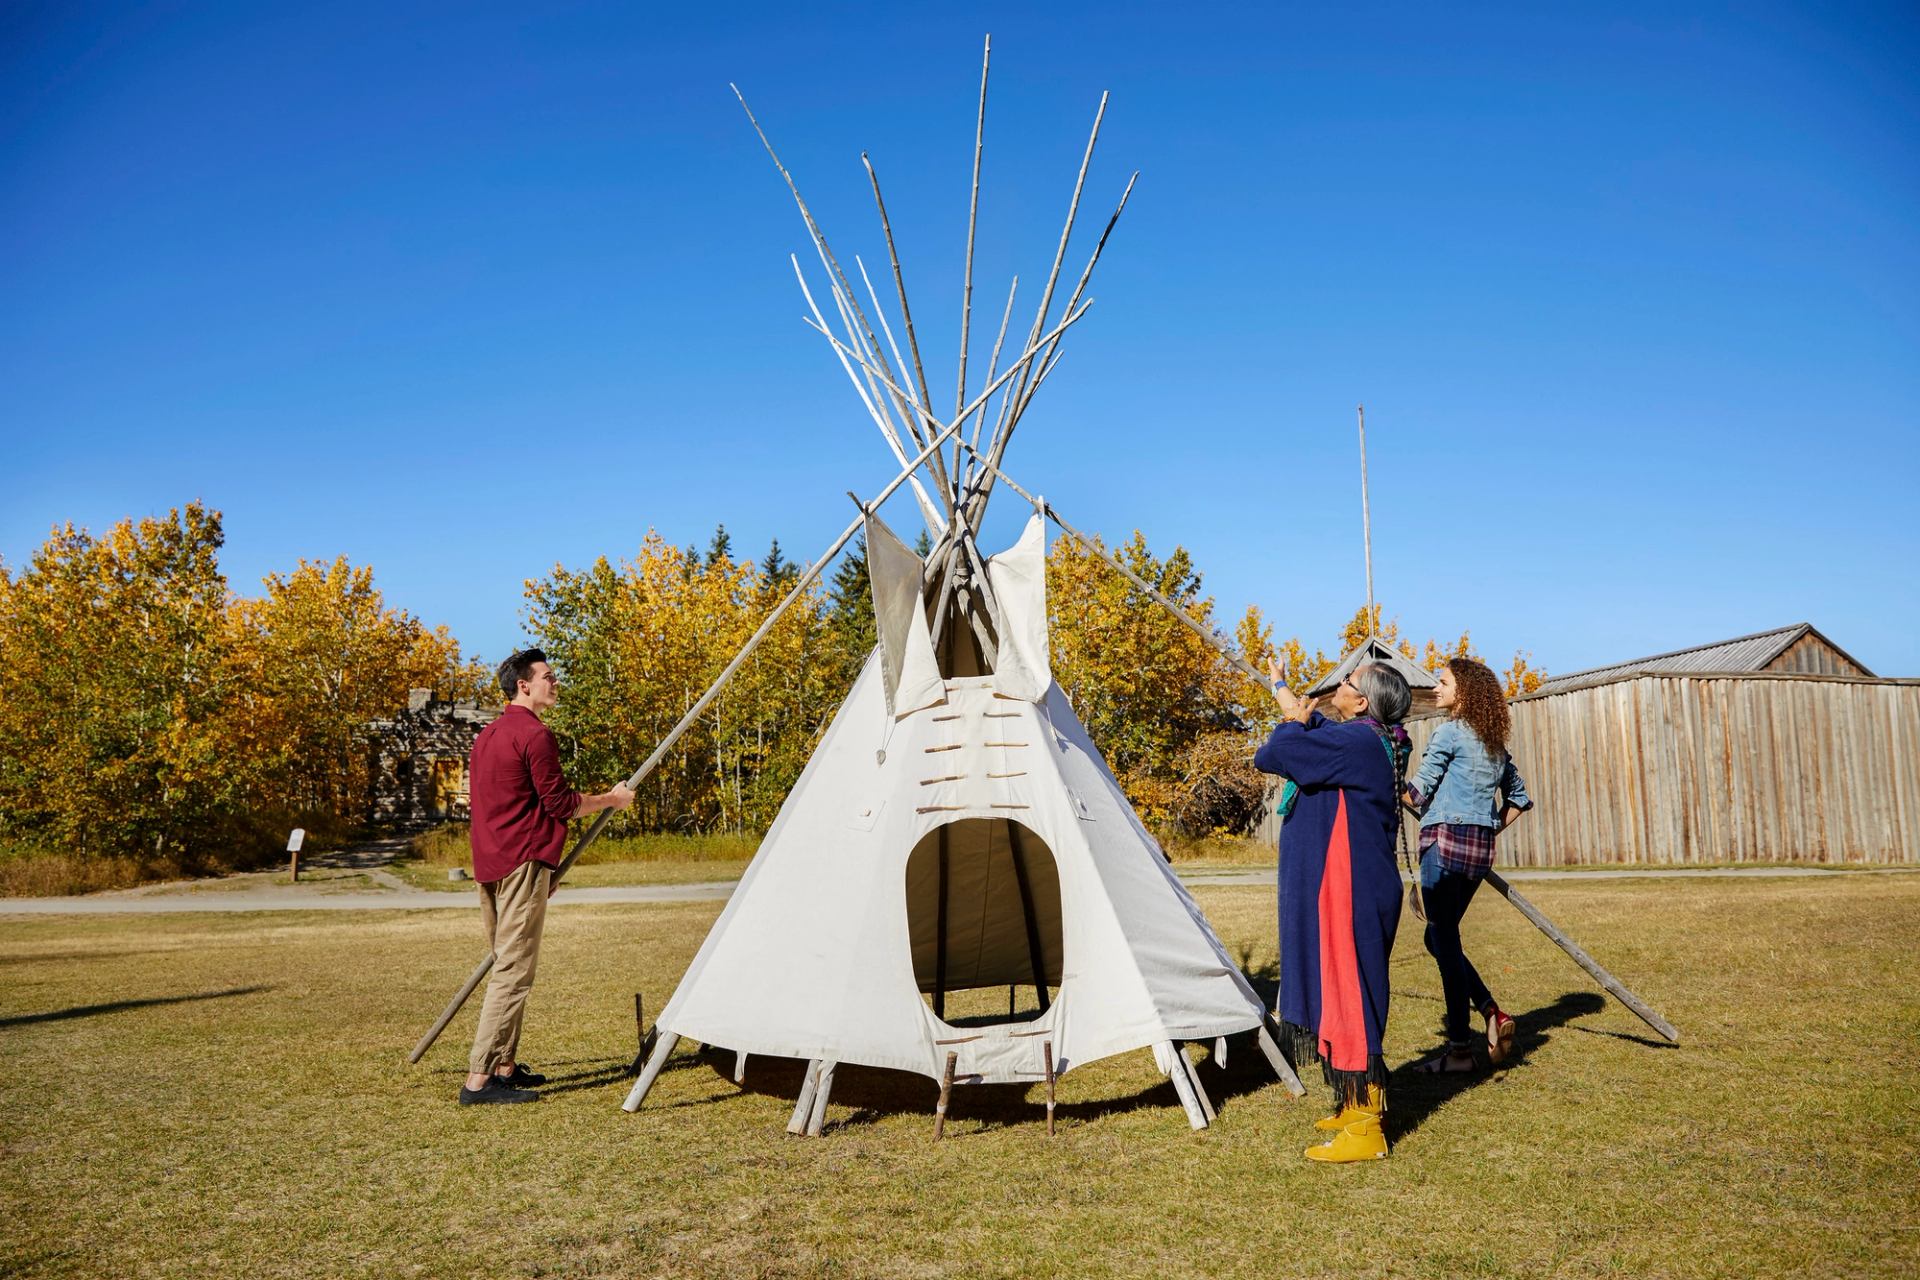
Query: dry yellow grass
[228, 1096]
[35, 873]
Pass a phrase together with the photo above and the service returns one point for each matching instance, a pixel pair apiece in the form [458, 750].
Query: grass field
[201, 1095]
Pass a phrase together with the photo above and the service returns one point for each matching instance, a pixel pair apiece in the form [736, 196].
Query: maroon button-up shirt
[520, 803]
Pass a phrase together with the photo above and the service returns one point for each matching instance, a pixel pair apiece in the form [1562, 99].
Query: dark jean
[1446, 902]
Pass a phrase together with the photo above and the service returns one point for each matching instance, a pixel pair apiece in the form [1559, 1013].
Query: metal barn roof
[1742, 653]
[1374, 651]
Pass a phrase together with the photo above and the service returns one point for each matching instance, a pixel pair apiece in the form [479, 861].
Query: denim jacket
[1460, 782]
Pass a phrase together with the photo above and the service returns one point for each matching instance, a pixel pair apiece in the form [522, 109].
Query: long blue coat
[1339, 893]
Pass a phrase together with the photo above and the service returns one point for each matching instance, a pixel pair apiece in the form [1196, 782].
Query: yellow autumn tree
[109, 665]
[790, 689]
[1522, 676]
[309, 665]
[1434, 655]
[1158, 701]
[151, 718]
[637, 643]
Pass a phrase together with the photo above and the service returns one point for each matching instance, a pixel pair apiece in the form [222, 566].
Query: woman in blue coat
[1340, 891]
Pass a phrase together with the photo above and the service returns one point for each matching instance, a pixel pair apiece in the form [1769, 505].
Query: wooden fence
[1716, 768]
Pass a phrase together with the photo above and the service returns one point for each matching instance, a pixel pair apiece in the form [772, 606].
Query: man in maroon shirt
[520, 808]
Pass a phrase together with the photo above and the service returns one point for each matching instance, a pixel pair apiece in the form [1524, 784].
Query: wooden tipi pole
[1610, 984]
[1366, 524]
[973, 218]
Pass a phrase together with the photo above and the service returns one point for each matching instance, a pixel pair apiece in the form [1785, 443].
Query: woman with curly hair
[1466, 791]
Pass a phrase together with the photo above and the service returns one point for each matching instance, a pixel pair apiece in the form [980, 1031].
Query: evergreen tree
[721, 548]
[850, 610]
[776, 569]
[922, 545]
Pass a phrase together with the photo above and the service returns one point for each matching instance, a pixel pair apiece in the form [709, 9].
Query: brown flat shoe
[1448, 1064]
[1500, 1032]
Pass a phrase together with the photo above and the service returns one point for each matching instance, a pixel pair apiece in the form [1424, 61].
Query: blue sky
[1631, 293]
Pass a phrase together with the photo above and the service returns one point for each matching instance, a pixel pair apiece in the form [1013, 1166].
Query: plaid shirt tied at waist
[1461, 848]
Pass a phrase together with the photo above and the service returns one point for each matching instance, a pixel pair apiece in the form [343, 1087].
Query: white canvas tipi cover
[826, 948]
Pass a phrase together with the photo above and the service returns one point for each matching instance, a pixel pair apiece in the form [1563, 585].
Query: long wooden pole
[880, 420]
[973, 218]
[803, 1105]
[833, 270]
[1002, 431]
[953, 556]
[940, 930]
[1199, 1090]
[460, 997]
[1366, 522]
[1086, 275]
[1046, 1050]
[1026, 357]
[666, 744]
[880, 313]
[993, 363]
[1278, 1061]
[822, 1091]
[1045, 508]
[945, 596]
[1036, 955]
[1066, 232]
[1183, 1085]
[872, 357]
[662, 1049]
[1612, 985]
[983, 587]
[906, 313]
[946, 1096]
[1026, 391]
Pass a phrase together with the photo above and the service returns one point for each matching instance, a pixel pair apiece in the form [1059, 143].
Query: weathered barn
[1374, 650]
[1775, 747]
[1798, 648]
[418, 772]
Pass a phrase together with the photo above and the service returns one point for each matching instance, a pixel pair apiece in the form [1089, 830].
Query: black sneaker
[494, 1090]
[521, 1078]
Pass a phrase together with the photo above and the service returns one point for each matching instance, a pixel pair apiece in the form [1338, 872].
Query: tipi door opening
[983, 912]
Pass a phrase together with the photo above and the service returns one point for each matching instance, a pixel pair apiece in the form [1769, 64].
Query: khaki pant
[515, 910]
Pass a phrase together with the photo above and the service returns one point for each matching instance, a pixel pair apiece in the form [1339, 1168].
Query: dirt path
[357, 879]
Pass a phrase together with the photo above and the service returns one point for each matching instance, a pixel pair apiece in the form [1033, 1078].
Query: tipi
[956, 829]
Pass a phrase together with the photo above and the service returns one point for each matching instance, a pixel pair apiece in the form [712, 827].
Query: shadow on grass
[874, 1093]
[121, 1006]
[594, 1073]
[1650, 1042]
[1264, 980]
[60, 957]
[613, 1071]
[1414, 1094]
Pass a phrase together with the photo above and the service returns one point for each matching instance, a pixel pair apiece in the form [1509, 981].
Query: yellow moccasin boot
[1362, 1138]
[1338, 1120]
